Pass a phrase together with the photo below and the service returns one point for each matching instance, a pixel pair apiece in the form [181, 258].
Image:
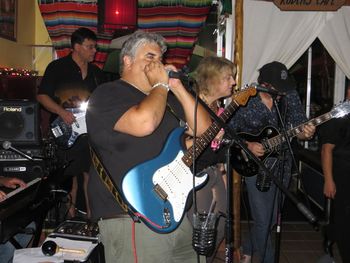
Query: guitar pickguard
[175, 179]
[158, 189]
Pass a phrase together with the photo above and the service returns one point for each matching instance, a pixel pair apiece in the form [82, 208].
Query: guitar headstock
[341, 110]
[242, 96]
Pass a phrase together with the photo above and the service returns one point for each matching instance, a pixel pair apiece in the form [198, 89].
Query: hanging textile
[285, 36]
[62, 18]
[179, 21]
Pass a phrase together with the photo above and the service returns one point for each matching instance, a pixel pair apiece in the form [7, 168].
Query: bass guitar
[65, 135]
[157, 189]
[271, 140]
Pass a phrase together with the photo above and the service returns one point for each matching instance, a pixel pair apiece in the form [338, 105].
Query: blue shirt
[255, 116]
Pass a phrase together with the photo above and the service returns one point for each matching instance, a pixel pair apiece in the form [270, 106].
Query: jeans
[263, 208]
[7, 249]
[263, 212]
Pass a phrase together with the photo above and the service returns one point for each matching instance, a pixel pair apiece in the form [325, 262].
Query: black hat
[276, 74]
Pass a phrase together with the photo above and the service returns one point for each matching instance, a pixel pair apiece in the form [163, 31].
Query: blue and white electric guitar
[157, 189]
[65, 135]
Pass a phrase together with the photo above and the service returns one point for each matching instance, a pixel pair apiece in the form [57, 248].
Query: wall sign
[309, 5]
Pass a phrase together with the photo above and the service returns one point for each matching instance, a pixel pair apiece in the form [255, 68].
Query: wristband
[160, 84]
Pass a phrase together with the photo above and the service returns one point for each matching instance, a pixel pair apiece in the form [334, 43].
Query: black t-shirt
[120, 152]
[63, 82]
[337, 132]
[210, 157]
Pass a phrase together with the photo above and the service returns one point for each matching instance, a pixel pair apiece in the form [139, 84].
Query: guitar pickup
[56, 131]
[160, 192]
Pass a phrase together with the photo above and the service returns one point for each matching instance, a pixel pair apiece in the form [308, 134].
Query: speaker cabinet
[19, 122]
[117, 15]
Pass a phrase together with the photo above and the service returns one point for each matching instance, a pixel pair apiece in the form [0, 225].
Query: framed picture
[8, 17]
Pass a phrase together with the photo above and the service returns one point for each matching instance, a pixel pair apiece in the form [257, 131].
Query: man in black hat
[260, 112]
[275, 75]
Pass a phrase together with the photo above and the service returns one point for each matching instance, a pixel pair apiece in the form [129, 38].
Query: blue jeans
[263, 211]
[263, 208]
[7, 249]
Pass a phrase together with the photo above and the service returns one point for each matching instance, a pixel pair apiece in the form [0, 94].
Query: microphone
[7, 146]
[176, 74]
[309, 215]
[204, 233]
[50, 248]
[267, 90]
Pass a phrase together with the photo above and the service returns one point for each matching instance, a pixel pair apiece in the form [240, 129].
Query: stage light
[117, 14]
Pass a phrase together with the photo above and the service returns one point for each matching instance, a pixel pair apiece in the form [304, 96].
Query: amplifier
[24, 170]
[19, 122]
[78, 230]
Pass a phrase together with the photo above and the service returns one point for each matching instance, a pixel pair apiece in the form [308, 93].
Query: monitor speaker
[19, 122]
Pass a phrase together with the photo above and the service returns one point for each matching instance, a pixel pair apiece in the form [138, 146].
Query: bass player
[67, 82]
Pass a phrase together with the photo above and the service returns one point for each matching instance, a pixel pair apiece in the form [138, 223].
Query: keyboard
[20, 189]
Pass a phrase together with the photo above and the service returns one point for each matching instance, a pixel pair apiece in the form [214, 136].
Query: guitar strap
[108, 181]
[283, 106]
[171, 110]
[110, 185]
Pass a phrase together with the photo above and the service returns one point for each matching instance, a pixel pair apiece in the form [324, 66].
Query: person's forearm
[49, 104]
[327, 161]
[152, 108]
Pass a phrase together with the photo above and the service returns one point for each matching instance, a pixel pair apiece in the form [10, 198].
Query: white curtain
[270, 34]
[335, 37]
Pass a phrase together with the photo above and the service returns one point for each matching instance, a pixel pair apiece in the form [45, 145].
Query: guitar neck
[277, 140]
[203, 141]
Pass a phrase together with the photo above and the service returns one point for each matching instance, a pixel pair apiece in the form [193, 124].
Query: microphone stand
[229, 194]
[279, 194]
[233, 138]
[283, 131]
[6, 145]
